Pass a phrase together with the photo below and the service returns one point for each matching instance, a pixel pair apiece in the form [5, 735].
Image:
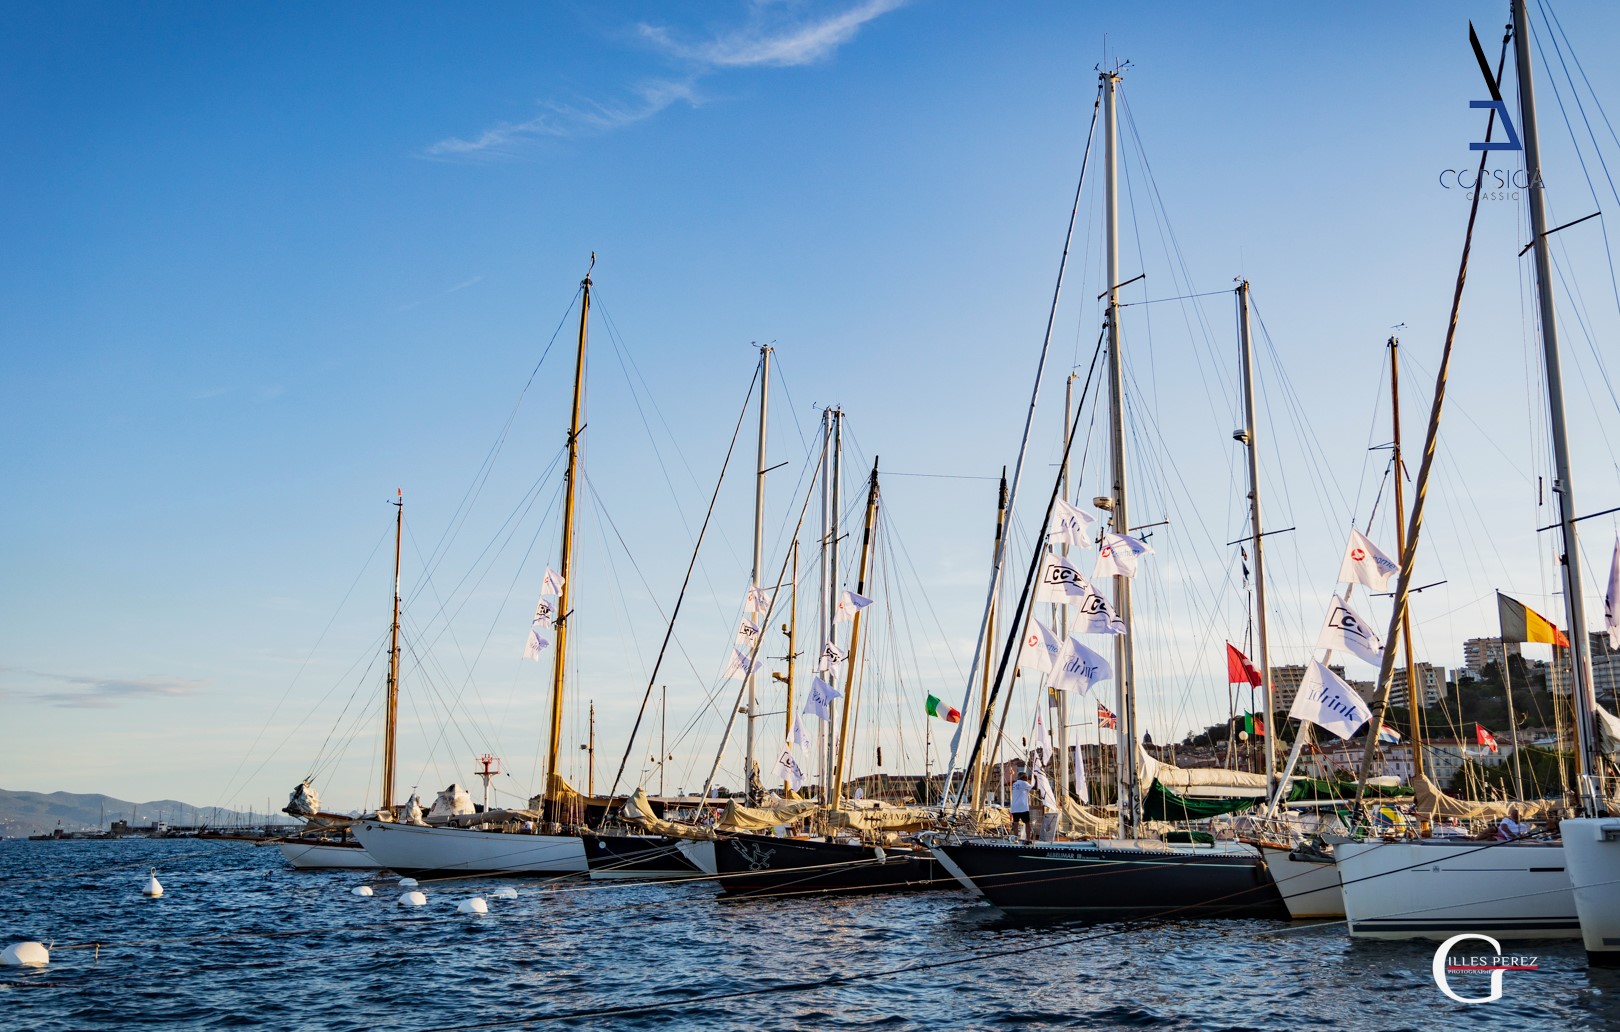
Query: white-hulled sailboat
[541, 839]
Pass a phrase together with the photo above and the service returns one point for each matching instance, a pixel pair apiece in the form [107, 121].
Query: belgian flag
[1521, 623]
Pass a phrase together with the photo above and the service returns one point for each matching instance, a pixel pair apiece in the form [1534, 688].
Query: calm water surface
[239, 940]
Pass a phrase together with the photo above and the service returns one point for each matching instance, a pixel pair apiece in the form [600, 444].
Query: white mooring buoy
[504, 892]
[472, 906]
[25, 954]
[361, 890]
[413, 899]
[153, 888]
[407, 883]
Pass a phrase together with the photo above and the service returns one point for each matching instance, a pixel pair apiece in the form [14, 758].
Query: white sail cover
[304, 801]
[452, 802]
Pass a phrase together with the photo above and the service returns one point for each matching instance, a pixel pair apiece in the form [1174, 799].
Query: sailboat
[1127, 876]
[316, 847]
[1515, 889]
[536, 840]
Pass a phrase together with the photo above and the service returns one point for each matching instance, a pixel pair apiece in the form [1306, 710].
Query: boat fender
[25, 954]
[407, 883]
[361, 890]
[504, 892]
[878, 852]
[413, 899]
[472, 906]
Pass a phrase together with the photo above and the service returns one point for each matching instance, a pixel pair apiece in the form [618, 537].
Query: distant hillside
[36, 813]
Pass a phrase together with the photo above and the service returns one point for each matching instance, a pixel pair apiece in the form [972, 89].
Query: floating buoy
[504, 892]
[472, 906]
[413, 899]
[878, 852]
[361, 890]
[153, 888]
[26, 954]
[407, 883]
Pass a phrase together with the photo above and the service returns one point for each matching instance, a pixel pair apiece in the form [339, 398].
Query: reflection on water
[240, 940]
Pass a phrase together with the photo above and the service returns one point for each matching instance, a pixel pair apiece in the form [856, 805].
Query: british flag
[1105, 718]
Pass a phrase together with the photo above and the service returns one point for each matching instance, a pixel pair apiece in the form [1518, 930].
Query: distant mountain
[37, 813]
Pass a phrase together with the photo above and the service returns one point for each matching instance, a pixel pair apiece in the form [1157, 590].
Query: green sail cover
[1162, 804]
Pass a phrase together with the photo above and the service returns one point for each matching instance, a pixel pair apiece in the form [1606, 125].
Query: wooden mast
[1415, 698]
[565, 611]
[791, 629]
[979, 769]
[391, 708]
[750, 763]
[855, 636]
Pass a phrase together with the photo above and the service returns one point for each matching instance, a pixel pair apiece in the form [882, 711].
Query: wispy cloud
[767, 41]
[463, 285]
[776, 36]
[107, 692]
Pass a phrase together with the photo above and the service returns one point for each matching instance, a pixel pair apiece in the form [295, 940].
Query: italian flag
[949, 714]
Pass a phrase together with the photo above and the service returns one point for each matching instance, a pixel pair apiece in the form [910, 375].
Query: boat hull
[1592, 852]
[1115, 881]
[1309, 886]
[1437, 888]
[432, 852]
[318, 856]
[765, 865]
[636, 857]
[701, 854]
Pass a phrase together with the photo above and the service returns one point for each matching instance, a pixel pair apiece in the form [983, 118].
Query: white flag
[542, 614]
[1365, 564]
[551, 583]
[849, 604]
[756, 601]
[531, 649]
[787, 768]
[1042, 746]
[1611, 599]
[1079, 751]
[1117, 556]
[737, 665]
[1060, 581]
[1096, 616]
[747, 634]
[820, 701]
[1070, 526]
[1343, 629]
[1043, 785]
[1326, 701]
[1041, 647]
[831, 655]
[1077, 668]
[800, 737]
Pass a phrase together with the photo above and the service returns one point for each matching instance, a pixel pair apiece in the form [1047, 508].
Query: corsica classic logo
[1494, 184]
[1451, 963]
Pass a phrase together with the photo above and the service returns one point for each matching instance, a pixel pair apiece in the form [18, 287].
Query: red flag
[1238, 668]
[1485, 737]
[1105, 718]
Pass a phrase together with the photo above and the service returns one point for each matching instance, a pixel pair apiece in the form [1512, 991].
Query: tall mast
[855, 635]
[751, 767]
[980, 768]
[590, 753]
[791, 629]
[1130, 801]
[1415, 698]
[391, 708]
[565, 612]
[1256, 540]
[1564, 485]
[833, 509]
[823, 606]
[663, 728]
[1062, 729]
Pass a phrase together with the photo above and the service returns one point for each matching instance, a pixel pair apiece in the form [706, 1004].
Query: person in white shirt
[1020, 805]
[1511, 827]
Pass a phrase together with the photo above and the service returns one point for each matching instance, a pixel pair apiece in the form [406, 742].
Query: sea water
[240, 940]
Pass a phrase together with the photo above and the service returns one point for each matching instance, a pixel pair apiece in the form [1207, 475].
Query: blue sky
[270, 263]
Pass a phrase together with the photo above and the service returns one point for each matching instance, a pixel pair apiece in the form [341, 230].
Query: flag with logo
[819, 702]
[1117, 556]
[1106, 718]
[1365, 564]
[1042, 745]
[1521, 623]
[1071, 525]
[799, 736]
[747, 634]
[1096, 616]
[551, 583]
[1484, 737]
[1238, 668]
[1611, 599]
[788, 769]
[1077, 668]
[533, 647]
[831, 656]
[849, 604]
[542, 614]
[738, 665]
[1041, 647]
[1326, 701]
[757, 600]
[937, 708]
[1343, 629]
[1060, 581]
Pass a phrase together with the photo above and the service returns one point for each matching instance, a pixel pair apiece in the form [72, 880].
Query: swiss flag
[1485, 737]
[1238, 668]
